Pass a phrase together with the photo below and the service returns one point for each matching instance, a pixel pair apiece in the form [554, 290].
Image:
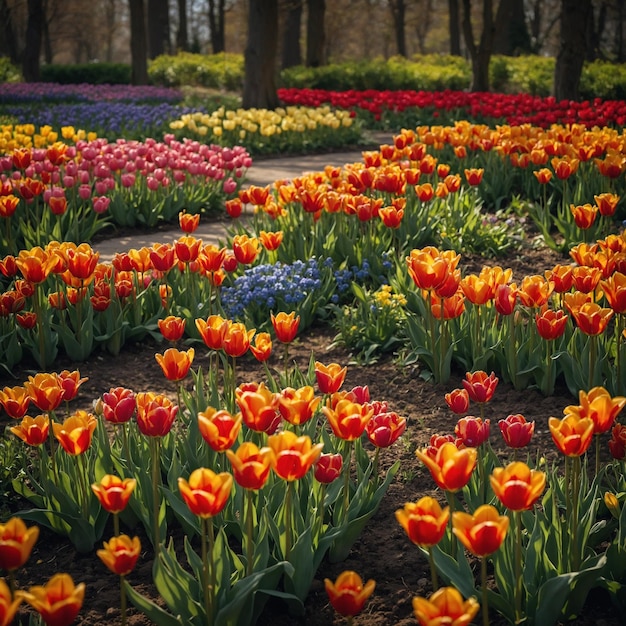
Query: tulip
[329, 377]
[458, 401]
[262, 347]
[584, 215]
[480, 386]
[27, 319]
[451, 468]
[212, 331]
[482, 533]
[347, 594]
[617, 443]
[59, 601]
[162, 257]
[35, 264]
[70, 381]
[219, 428]
[535, 291]
[591, 318]
[45, 391]
[120, 554]
[271, 240]
[8, 604]
[118, 405]
[188, 223]
[297, 406]
[236, 339]
[328, 468]
[424, 521]
[251, 465]
[172, 328]
[598, 405]
[16, 543]
[76, 432]
[175, 363]
[614, 289]
[293, 455]
[155, 414]
[33, 432]
[445, 606]
[550, 323]
[206, 492]
[572, 434]
[516, 431]
[472, 431]
[384, 429]
[517, 486]
[348, 419]
[474, 176]
[606, 203]
[187, 248]
[113, 492]
[245, 248]
[259, 407]
[285, 326]
[15, 401]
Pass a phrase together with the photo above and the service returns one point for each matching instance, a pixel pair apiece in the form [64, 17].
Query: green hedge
[92, 73]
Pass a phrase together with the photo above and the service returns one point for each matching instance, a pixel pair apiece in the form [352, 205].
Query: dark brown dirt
[383, 552]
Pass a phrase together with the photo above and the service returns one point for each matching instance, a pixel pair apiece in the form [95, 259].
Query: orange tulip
[517, 486]
[162, 257]
[598, 405]
[348, 419]
[424, 521]
[347, 594]
[564, 168]
[445, 606]
[255, 195]
[212, 331]
[450, 467]
[251, 465]
[219, 428]
[16, 543]
[391, 216]
[329, 377]
[175, 363]
[259, 407]
[234, 207]
[211, 258]
[155, 414]
[187, 248]
[591, 318]
[482, 533]
[429, 267]
[474, 176]
[206, 492]
[544, 175]
[572, 434]
[35, 264]
[480, 386]
[262, 347]
[76, 432]
[271, 240]
[425, 192]
[607, 203]
[114, 492]
[476, 289]
[70, 381]
[172, 328]
[236, 339]
[550, 324]
[245, 249]
[82, 261]
[584, 215]
[562, 277]
[8, 205]
[33, 432]
[285, 326]
[15, 401]
[612, 165]
[293, 455]
[45, 391]
[8, 602]
[614, 289]
[535, 291]
[187, 222]
[59, 601]
[297, 406]
[120, 554]
[139, 260]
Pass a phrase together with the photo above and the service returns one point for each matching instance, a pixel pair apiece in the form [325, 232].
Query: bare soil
[383, 552]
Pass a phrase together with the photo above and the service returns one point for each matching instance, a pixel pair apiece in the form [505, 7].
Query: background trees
[313, 32]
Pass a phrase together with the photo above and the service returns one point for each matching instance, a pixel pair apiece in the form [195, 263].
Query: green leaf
[151, 610]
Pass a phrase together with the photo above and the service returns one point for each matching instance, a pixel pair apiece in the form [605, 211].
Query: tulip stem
[485, 602]
[518, 566]
[575, 495]
[123, 600]
[154, 444]
[593, 348]
[433, 569]
[288, 529]
[116, 524]
[346, 483]
[597, 437]
[52, 448]
[249, 535]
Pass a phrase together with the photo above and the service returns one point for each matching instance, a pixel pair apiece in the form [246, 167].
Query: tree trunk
[158, 28]
[8, 43]
[34, 33]
[315, 34]
[138, 43]
[619, 32]
[259, 89]
[398, 14]
[480, 54]
[216, 26]
[182, 42]
[454, 27]
[511, 37]
[292, 54]
[569, 61]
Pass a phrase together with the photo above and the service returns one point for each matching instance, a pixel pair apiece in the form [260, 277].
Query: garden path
[263, 172]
